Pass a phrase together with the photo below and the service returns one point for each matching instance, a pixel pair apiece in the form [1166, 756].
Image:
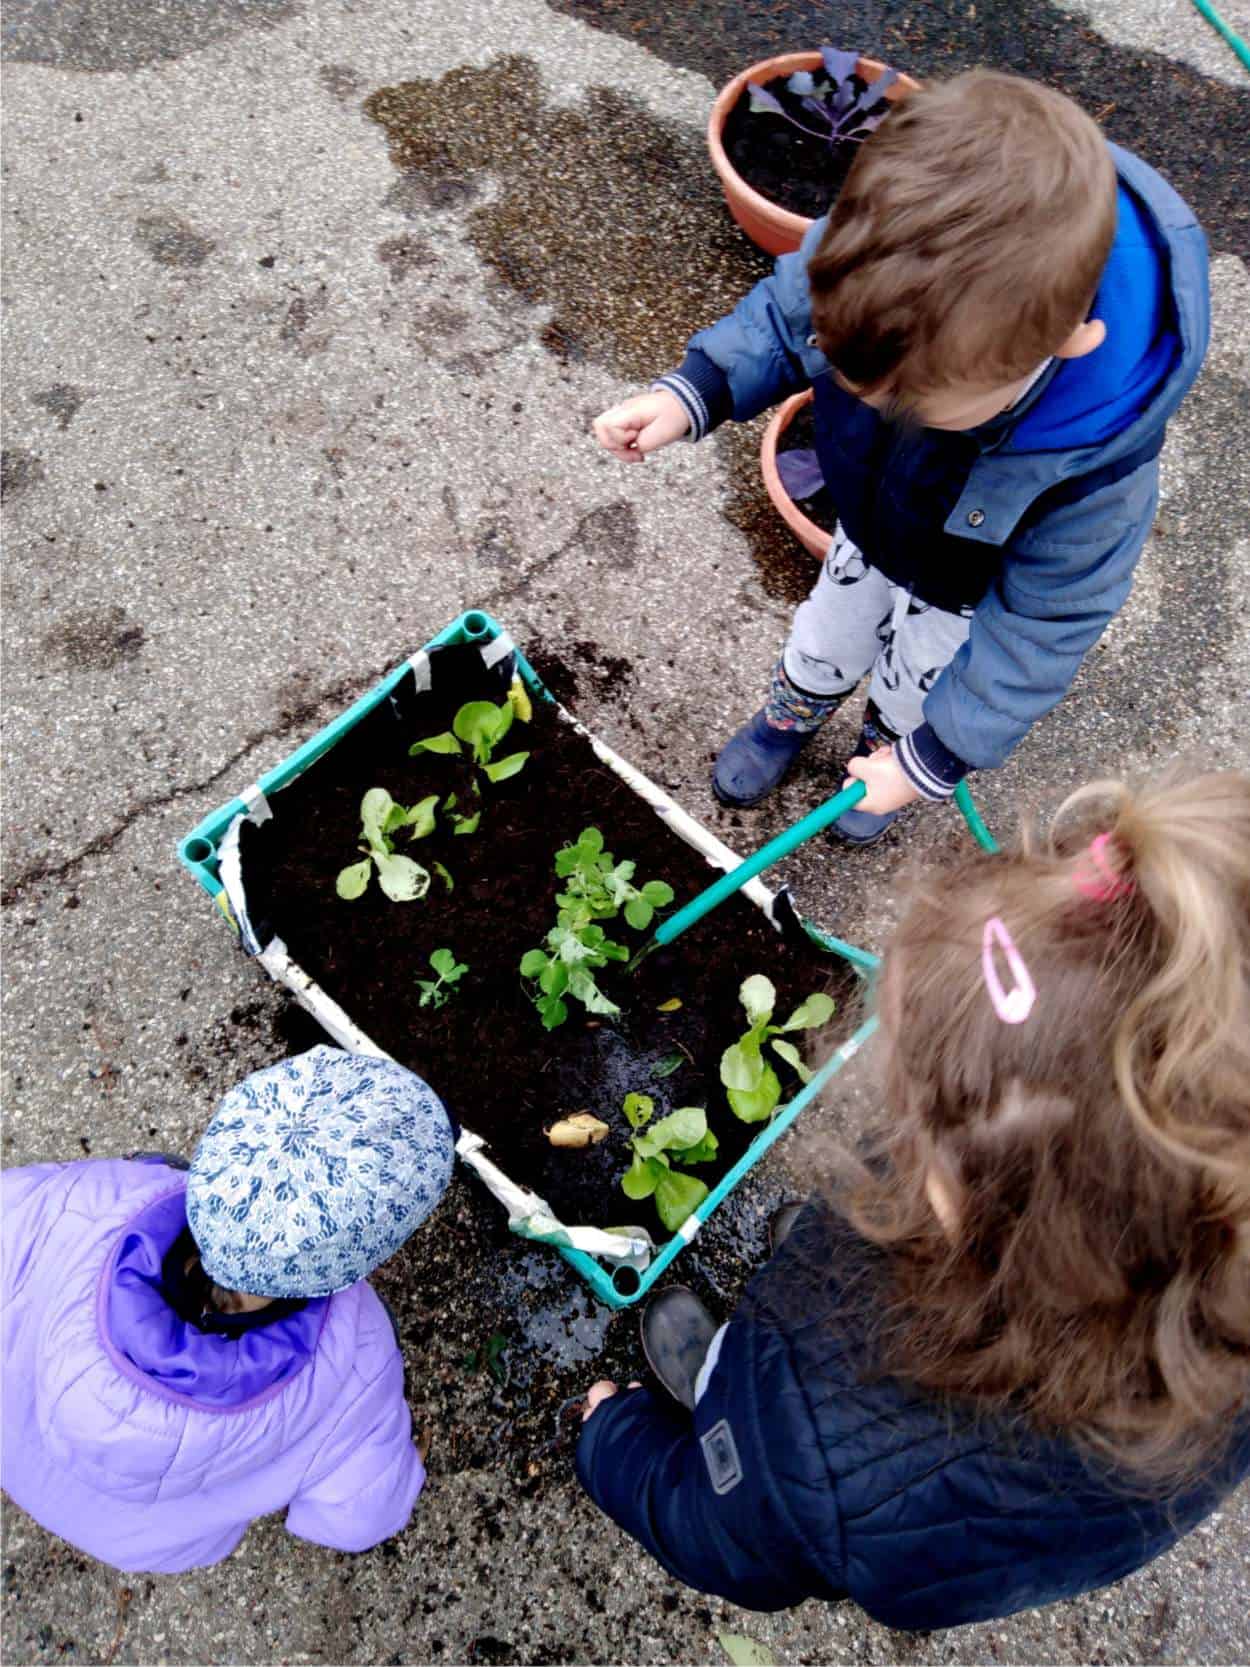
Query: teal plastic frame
[619, 1287]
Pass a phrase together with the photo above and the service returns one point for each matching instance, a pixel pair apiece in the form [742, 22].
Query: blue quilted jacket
[800, 1476]
[1035, 520]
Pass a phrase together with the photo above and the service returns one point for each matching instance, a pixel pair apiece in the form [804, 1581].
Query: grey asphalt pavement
[284, 391]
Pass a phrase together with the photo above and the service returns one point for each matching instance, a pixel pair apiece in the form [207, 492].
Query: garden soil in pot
[485, 1051]
[800, 172]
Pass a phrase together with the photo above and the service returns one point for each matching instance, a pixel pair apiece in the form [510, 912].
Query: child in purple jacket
[184, 1351]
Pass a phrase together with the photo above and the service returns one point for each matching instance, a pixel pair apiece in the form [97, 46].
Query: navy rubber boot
[861, 827]
[755, 761]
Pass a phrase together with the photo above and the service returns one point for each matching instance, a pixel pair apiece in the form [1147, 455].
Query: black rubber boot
[782, 1222]
[677, 1332]
[755, 761]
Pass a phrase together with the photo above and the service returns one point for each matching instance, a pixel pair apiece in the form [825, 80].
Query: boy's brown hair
[1093, 1269]
[968, 240]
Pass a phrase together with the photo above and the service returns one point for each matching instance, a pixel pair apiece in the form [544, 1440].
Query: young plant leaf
[375, 808]
[444, 743]
[702, 1151]
[759, 996]
[666, 1066]
[403, 880]
[353, 880]
[758, 1104]
[583, 986]
[553, 980]
[552, 1011]
[676, 1197]
[446, 966]
[510, 766]
[639, 913]
[672, 1005]
[680, 1129]
[792, 1057]
[641, 1178]
[466, 824]
[532, 963]
[639, 1110]
[421, 817]
[762, 101]
[658, 893]
[741, 1064]
[816, 1010]
[443, 875]
[483, 725]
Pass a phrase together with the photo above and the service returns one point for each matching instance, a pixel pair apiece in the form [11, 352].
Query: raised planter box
[222, 854]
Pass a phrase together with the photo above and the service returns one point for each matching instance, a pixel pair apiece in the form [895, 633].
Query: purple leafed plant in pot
[794, 137]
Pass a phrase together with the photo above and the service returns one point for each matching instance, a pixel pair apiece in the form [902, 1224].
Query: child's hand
[602, 1391]
[888, 788]
[640, 425]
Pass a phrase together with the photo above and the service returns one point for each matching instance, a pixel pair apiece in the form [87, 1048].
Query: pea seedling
[753, 1086]
[381, 819]
[448, 973]
[682, 1137]
[597, 888]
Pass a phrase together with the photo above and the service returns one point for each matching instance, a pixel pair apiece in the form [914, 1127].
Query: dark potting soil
[485, 1051]
[800, 435]
[798, 171]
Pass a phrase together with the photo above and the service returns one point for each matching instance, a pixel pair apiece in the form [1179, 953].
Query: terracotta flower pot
[773, 228]
[814, 538]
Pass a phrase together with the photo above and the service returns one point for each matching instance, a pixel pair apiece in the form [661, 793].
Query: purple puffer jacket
[151, 1444]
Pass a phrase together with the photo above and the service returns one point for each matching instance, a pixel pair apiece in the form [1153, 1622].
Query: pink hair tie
[1104, 885]
[1012, 1006]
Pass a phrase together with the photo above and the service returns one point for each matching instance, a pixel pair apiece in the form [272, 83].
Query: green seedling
[481, 725]
[682, 1137]
[753, 1086]
[605, 887]
[576, 952]
[597, 888]
[381, 821]
[448, 973]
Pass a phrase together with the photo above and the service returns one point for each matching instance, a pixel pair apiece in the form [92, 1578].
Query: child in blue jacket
[997, 321]
[1008, 1360]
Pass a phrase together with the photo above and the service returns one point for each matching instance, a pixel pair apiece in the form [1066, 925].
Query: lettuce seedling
[448, 973]
[381, 819]
[682, 1137]
[481, 725]
[753, 1086]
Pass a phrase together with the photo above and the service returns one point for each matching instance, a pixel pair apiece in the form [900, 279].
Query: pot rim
[814, 538]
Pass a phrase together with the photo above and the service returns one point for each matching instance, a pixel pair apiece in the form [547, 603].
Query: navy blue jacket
[1035, 520]
[801, 1476]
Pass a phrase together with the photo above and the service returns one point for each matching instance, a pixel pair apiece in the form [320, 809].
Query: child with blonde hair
[1007, 1360]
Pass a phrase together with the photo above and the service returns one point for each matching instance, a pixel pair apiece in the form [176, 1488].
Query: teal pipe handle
[765, 857]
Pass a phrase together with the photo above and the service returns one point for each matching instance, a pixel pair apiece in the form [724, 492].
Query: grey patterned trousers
[856, 620]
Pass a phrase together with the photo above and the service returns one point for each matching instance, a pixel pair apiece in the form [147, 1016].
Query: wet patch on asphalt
[95, 639]
[171, 241]
[126, 34]
[62, 401]
[614, 221]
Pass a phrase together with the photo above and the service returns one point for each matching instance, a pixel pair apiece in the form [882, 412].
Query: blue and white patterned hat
[314, 1171]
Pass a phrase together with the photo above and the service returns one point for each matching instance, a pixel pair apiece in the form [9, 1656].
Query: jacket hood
[174, 1359]
[1153, 302]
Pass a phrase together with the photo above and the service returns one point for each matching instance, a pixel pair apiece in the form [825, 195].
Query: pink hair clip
[1104, 885]
[1012, 1006]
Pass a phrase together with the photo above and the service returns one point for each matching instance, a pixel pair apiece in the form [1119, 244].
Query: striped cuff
[932, 769]
[702, 389]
